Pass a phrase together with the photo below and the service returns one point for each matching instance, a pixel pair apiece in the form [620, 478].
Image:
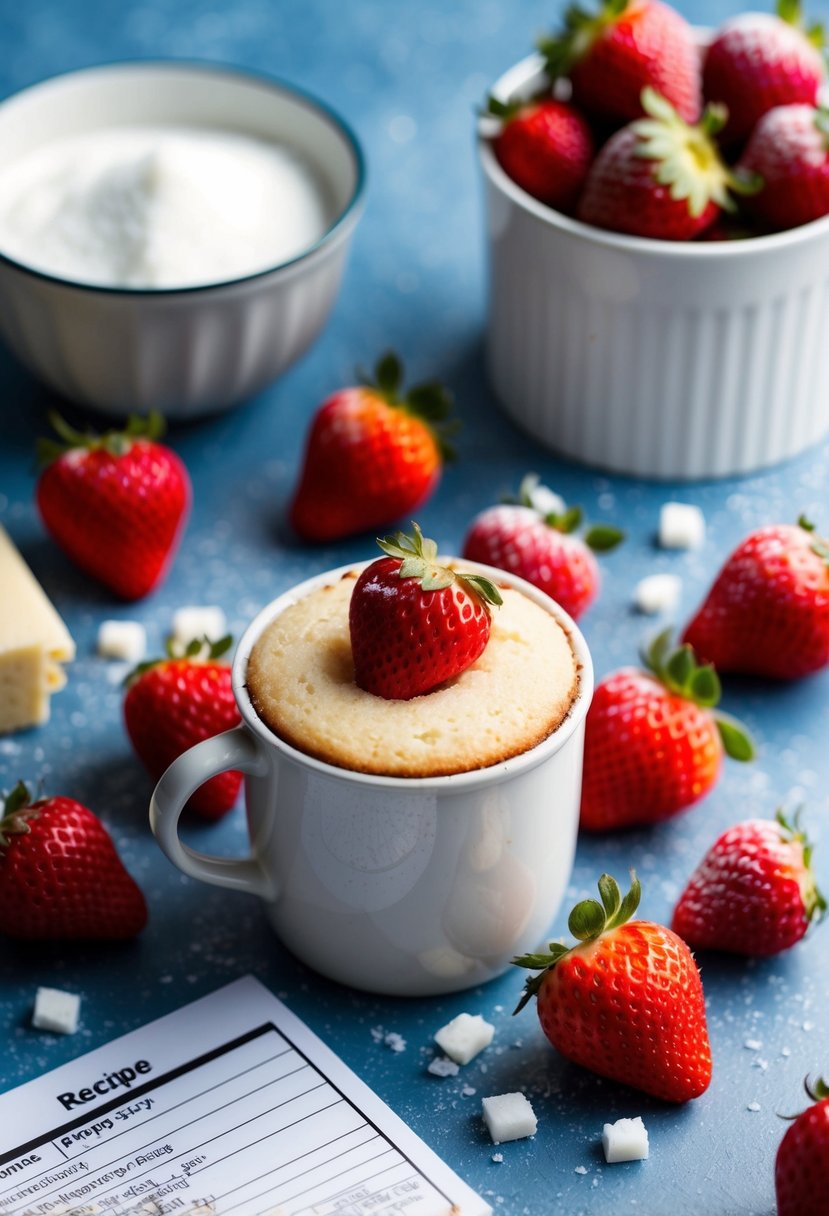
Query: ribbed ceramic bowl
[653, 358]
[196, 350]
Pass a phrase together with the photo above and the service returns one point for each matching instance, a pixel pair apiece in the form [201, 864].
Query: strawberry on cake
[519, 680]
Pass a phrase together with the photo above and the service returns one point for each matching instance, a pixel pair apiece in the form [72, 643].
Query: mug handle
[235, 748]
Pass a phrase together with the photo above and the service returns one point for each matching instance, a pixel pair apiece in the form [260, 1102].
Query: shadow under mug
[403, 886]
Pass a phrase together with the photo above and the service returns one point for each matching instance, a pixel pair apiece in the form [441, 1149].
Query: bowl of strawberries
[657, 207]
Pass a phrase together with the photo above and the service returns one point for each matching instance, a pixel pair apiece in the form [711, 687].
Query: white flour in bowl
[159, 207]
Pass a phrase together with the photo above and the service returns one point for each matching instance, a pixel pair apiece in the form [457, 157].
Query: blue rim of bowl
[525, 71]
[208, 68]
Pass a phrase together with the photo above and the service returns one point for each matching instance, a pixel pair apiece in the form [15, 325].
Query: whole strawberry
[659, 177]
[535, 539]
[545, 146]
[767, 612]
[802, 1163]
[373, 453]
[116, 504]
[789, 151]
[174, 703]
[626, 1001]
[60, 876]
[610, 56]
[653, 745]
[753, 893]
[415, 624]
[758, 61]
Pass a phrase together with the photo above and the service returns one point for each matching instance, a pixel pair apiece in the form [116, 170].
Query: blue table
[409, 77]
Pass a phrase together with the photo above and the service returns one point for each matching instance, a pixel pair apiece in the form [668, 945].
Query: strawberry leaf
[482, 587]
[587, 920]
[117, 443]
[735, 738]
[16, 799]
[629, 904]
[704, 686]
[679, 669]
[388, 374]
[601, 538]
[568, 522]
[431, 401]
[611, 895]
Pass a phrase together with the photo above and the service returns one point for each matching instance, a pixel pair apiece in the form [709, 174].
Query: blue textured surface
[408, 76]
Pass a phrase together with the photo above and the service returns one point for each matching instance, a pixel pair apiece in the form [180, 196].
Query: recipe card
[230, 1106]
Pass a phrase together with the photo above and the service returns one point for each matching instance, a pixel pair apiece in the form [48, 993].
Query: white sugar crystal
[657, 593]
[124, 640]
[395, 1041]
[581, 1169]
[443, 1067]
[753, 1106]
[464, 1037]
[56, 1010]
[509, 1117]
[753, 1044]
[198, 622]
[681, 526]
[497, 1157]
[625, 1140]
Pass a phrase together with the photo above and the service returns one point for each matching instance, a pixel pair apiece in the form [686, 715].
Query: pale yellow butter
[33, 643]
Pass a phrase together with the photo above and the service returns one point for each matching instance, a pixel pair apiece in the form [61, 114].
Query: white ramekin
[197, 350]
[658, 359]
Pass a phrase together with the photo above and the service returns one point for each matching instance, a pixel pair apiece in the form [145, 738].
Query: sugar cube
[657, 593]
[681, 526]
[198, 622]
[56, 1010]
[625, 1140]
[124, 640]
[465, 1036]
[509, 1117]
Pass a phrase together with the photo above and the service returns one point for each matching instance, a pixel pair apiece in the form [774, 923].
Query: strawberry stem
[430, 400]
[116, 443]
[587, 922]
[419, 560]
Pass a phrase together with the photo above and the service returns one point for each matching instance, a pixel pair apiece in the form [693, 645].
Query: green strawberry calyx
[677, 668]
[419, 560]
[116, 443]
[430, 401]
[818, 546]
[199, 650]
[814, 903]
[816, 1091]
[588, 921]
[822, 124]
[686, 158]
[16, 813]
[582, 28]
[791, 11]
[601, 538]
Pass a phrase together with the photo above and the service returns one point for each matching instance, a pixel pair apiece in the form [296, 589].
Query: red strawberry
[60, 876]
[611, 56]
[802, 1164]
[415, 624]
[753, 893]
[789, 151]
[767, 613]
[545, 146]
[115, 503]
[652, 745]
[372, 455]
[659, 177]
[534, 539]
[174, 703]
[626, 1001]
[758, 61]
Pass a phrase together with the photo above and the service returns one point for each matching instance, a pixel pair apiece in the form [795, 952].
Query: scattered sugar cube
[753, 1044]
[195, 622]
[681, 526]
[497, 1158]
[443, 1067]
[753, 1106]
[657, 593]
[464, 1037]
[547, 501]
[509, 1117]
[625, 1140]
[124, 640]
[395, 1041]
[56, 1010]
[581, 1169]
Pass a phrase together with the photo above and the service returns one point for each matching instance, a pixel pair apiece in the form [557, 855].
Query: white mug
[398, 885]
